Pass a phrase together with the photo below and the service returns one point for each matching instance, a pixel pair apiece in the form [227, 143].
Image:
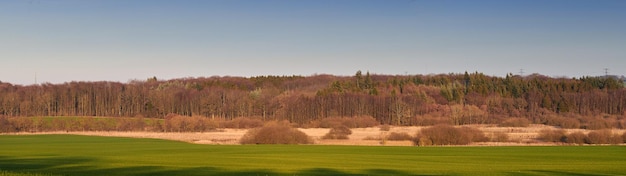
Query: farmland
[91, 155]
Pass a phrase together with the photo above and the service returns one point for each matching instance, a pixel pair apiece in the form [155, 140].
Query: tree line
[467, 98]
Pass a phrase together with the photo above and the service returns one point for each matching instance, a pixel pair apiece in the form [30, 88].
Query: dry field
[518, 136]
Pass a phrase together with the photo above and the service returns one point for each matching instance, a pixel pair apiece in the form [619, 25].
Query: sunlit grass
[88, 155]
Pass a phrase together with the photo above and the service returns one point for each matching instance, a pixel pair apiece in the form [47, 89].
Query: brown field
[518, 136]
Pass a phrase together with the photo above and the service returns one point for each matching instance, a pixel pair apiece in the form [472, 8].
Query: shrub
[243, 123]
[329, 122]
[430, 120]
[372, 138]
[385, 127]
[576, 138]
[552, 135]
[134, 123]
[563, 122]
[22, 124]
[474, 134]
[603, 137]
[154, 125]
[500, 137]
[393, 136]
[597, 124]
[5, 125]
[597, 137]
[616, 139]
[570, 123]
[621, 124]
[515, 122]
[350, 122]
[422, 141]
[339, 132]
[448, 135]
[361, 122]
[172, 123]
[275, 133]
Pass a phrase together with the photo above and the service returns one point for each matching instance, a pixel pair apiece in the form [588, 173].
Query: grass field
[89, 155]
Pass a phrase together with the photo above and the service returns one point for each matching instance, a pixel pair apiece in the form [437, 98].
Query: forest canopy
[468, 98]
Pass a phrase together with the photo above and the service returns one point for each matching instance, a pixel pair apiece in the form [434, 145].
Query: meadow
[92, 155]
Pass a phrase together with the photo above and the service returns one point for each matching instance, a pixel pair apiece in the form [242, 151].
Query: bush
[515, 122]
[598, 137]
[576, 138]
[563, 122]
[275, 133]
[243, 123]
[500, 137]
[339, 132]
[385, 127]
[372, 138]
[393, 136]
[350, 122]
[624, 137]
[430, 120]
[422, 141]
[448, 135]
[552, 135]
[122, 124]
[362, 122]
[603, 137]
[474, 134]
[172, 123]
[329, 122]
[597, 124]
[5, 125]
[615, 139]
[570, 123]
[621, 124]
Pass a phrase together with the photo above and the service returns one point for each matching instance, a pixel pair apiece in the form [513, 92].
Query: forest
[456, 99]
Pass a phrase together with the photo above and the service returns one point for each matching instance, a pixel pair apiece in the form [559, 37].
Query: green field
[88, 155]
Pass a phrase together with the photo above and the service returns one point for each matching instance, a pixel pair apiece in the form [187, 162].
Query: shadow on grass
[549, 172]
[54, 165]
[38, 162]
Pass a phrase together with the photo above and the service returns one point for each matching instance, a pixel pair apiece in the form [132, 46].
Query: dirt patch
[226, 136]
[373, 136]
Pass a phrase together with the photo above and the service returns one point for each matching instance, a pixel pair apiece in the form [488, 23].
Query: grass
[34, 155]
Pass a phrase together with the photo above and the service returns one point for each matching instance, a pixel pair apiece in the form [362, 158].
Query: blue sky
[121, 40]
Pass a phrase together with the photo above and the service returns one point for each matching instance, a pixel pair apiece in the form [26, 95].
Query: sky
[59, 41]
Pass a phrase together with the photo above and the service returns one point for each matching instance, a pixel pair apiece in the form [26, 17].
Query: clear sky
[119, 40]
